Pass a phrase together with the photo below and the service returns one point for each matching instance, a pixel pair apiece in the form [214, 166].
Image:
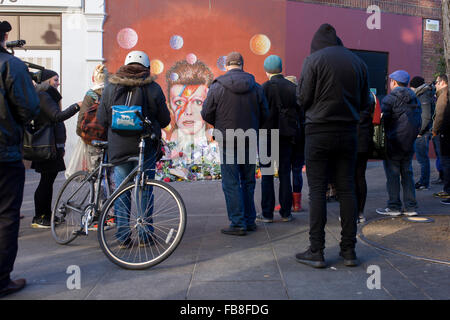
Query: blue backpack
[124, 118]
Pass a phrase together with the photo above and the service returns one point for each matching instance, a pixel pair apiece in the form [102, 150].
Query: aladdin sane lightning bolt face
[186, 102]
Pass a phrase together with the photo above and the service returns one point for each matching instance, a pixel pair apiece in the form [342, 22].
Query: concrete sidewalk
[210, 265]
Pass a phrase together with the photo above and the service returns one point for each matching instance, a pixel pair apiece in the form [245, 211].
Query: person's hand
[419, 136]
[80, 103]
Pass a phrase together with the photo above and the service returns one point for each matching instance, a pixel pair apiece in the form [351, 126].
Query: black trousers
[284, 174]
[12, 180]
[360, 180]
[44, 193]
[338, 151]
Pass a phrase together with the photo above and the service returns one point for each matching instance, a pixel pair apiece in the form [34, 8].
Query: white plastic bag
[80, 160]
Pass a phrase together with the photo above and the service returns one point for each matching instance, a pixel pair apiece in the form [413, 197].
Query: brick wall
[427, 9]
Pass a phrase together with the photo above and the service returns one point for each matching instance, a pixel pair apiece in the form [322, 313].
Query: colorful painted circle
[176, 42]
[260, 44]
[156, 66]
[191, 58]
[174, 76]
[127, 38]
[221, 63]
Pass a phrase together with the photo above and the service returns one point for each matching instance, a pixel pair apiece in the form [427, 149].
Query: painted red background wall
[400, 36]
[210, 29]
[213, 28]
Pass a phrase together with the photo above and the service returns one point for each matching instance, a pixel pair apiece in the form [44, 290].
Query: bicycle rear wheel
[75, 196]
[139, 239]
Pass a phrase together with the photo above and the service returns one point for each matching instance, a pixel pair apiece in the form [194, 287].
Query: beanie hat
[5, 27]
[234, 59]
[400, 76]
[273, 64]
[416, 82]
[47, 74]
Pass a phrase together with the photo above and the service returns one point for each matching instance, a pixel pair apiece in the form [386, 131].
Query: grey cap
[234, 59]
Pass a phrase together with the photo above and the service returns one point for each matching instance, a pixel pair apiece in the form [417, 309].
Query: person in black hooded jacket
[235, 101]
[133, 77]
[332, 91]
[51, 113]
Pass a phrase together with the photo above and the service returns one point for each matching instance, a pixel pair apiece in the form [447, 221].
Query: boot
[296, 202]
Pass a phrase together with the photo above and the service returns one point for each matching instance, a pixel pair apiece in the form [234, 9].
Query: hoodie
[235, 101]
[333, 87]
[402, 122]
[146, 93]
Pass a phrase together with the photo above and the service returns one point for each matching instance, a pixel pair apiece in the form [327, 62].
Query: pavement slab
[209, 265]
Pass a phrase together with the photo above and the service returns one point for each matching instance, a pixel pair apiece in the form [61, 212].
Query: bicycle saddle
[100, 144]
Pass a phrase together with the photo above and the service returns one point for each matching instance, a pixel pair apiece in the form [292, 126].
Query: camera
[35, 76]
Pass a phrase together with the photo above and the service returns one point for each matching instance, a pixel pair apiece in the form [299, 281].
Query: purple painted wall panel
[400, 36]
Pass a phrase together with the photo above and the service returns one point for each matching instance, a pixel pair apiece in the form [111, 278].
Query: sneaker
[146, 243]
[252, 227]
[310, 258]
[126, 244]
[288, 218]
[421, 187]
[261, 218]
[388, 212]
[233, 231]
[410, 213]
[41, 222]
[277, 208]
[109, 225]
[442, 195]
[350, 259]
[446, 201]
[437, 181]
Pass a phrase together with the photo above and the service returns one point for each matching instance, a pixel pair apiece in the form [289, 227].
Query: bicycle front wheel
[75, 195]
[140, 228]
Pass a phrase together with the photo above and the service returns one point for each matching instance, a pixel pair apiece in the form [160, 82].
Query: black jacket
[19, 104]
[146, 93]
[49, 99]
[402, 118]
[426, 97]
[287, 94]
[235, 101]
[51, 113]
[333, 86]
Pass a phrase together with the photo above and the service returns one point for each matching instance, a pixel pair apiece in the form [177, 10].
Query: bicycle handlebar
[147, 122]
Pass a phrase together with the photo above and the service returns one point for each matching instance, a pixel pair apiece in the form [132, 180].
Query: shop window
[41, 31]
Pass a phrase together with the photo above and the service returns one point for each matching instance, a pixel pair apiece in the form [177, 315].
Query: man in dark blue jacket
[236, 103]
[333, 90]
[19, 104]
[402, 119]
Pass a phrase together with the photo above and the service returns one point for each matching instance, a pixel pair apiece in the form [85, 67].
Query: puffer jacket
[19, 104]
[146, 93]
[333, 86]
[235, 101]
[402, 119]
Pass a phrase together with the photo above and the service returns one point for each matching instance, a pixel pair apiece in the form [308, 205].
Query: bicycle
[140, 224]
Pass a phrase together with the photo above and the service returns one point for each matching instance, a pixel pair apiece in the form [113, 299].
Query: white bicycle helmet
[138, 57]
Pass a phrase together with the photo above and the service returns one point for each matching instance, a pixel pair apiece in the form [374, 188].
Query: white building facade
[62, 35]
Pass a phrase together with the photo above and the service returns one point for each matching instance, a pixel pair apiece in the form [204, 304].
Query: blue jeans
[123, 206]
[396, 169]
[422, 149]
[238, 184]
[437, 150]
